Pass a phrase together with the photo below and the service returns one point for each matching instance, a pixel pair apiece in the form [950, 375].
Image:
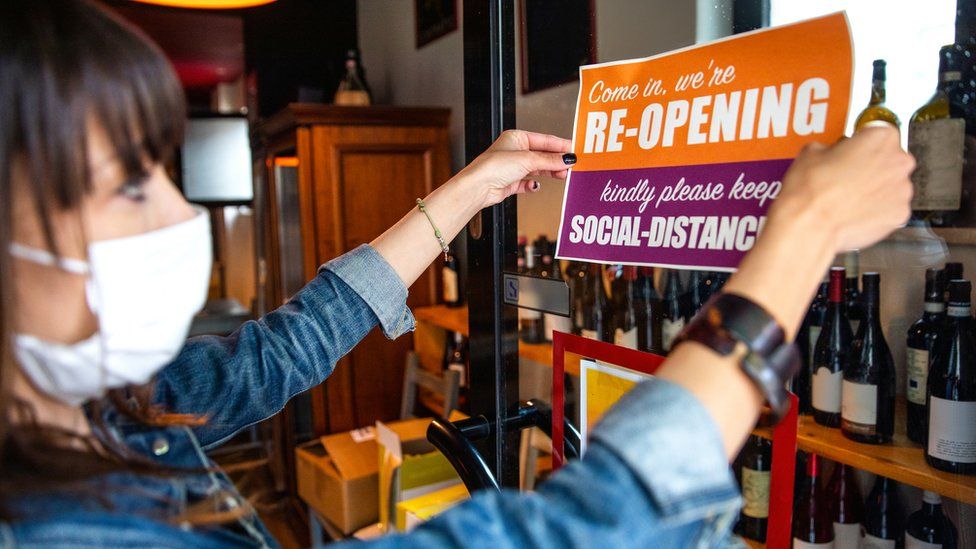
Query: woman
[106, 413]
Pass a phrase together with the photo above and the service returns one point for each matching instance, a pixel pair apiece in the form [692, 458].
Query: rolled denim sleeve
[366, 272]
[654, 475]
[244, 378]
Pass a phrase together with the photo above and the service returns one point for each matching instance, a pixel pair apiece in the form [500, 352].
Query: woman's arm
[833, 200]
[506, 168]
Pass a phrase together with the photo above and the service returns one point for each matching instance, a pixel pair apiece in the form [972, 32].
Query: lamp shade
[208, 4]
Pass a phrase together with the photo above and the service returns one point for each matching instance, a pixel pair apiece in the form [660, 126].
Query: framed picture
[557, 37]
[433, 19]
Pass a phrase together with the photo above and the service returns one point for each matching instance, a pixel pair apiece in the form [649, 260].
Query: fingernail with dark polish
[569, 159]
[535, 185]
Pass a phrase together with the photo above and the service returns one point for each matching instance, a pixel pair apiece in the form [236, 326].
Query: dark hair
[65, 65]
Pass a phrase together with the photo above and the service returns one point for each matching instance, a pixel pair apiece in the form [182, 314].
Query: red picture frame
[779, 529]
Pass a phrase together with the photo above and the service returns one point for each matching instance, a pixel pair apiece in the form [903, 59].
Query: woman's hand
[857, 191]
[510, 164]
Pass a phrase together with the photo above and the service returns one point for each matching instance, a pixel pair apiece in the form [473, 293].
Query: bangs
[67, 64]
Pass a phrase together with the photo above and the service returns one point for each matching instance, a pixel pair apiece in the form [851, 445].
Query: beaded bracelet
[437, 232]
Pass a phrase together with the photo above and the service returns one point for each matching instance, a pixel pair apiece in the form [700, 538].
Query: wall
[400, 74]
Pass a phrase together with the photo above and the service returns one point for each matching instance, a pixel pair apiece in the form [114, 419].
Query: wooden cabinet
[332, 178]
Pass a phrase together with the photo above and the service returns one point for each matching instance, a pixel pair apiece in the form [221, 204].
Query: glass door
[913, 66]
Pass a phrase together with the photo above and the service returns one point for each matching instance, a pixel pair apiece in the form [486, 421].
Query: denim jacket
[655, 473]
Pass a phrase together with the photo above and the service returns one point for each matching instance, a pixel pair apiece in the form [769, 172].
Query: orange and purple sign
[680, 155]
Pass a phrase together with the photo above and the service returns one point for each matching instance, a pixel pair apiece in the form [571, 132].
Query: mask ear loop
[92, 295]
[44, 257]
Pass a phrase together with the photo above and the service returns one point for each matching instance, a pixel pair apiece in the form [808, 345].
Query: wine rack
[902, 460]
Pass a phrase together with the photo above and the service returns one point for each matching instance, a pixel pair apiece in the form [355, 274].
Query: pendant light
[208, 4]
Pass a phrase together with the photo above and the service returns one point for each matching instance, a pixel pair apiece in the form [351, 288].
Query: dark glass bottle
[754, 473]
[625, 331]
[578, 276]
[457, 360]
[451, 279]
[831, 355]
[962, 102]
[852, 290]
[649, 314]
[868, 393]
[807, 341]
[699, 289]
[846, 507]
[812, 527]
[953, 271]
[597, 314]
[951, 442]
[929, 528]
[921, 339]
[884, 517]
[674, 310]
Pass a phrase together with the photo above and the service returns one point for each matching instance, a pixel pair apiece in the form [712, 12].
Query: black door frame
[489, 109]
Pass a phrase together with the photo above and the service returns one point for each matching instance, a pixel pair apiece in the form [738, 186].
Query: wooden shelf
[456, 320]
[964, 236]
[452, 319]
[902, 460]
[753, 544]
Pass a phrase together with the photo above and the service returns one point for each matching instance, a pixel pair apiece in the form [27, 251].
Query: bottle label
[557, 323]
[847, 536]
[911, 542]
[826, 390]
[874, 542]
[626, 339]
[937, 146]
[461, 369]
[755, 492]
[952, 430]
[450, 277]
[670, 330]
[800, 544]
[814, 336]
[589, 334]
[859, 408]
[917, 361]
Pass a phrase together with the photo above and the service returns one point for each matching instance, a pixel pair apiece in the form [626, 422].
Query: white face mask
[144, 290]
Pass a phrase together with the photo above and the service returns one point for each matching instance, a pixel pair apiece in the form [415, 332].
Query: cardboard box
[409, 466]
[413, 512]
[337, 476]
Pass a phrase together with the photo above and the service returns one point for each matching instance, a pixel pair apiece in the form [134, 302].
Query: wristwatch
[731, 324]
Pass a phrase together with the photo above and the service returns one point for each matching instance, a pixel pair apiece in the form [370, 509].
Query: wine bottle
[625, 331]
[699, 286]
[458, 359]
[884, 517]
[951, 442]
[754, 473]
[929, 528]
[596, 318]
[868, 393]
[936, 139]
[451, 281]
[520, 259]
[812, 527]
[649, 314]
[674, 310]
[962, 100]
[852, 290]
[807, 341]
[846, 507]
[831, 355]
[921, 339]
[953, 271]
[352, 88]
[876, 112]
[531, 325]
